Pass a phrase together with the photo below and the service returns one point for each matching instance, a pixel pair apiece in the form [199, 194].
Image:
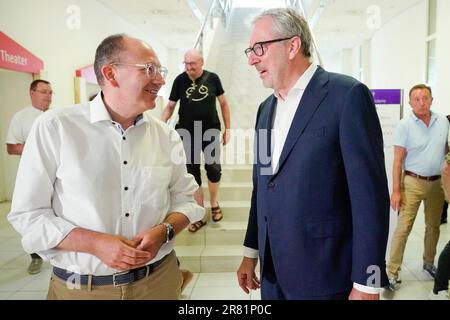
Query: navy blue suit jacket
[326, 210]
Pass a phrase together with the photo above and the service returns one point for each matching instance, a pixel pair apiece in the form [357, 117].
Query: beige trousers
[414, 191]
[164, 283]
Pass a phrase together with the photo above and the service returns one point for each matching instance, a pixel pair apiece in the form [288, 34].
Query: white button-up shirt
[79, 170]
[21, 124]
[285, 112]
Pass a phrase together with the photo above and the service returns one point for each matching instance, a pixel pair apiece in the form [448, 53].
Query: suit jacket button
[271, 184]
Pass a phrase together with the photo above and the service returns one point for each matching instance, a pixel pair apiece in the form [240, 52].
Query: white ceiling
[345, 23]
[171, 22]
[342, 23]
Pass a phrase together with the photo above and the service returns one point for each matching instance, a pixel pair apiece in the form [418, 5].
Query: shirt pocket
[155, 186]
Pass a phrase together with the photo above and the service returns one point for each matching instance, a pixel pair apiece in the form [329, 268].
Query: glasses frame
[261, 44]
[150, 68]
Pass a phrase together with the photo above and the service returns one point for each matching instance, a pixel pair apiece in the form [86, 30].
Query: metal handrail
[199, 36]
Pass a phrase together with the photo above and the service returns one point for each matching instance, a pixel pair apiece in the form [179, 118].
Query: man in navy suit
[319, 214]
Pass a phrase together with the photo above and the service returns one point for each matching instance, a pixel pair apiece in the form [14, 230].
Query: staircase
[217, 247]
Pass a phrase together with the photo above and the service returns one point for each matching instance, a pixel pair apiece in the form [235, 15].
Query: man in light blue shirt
[420, 146]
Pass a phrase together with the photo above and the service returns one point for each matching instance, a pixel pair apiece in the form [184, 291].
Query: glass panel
[431, 63]
[432, 12]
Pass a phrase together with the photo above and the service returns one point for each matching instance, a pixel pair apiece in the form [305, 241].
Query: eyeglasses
[45, 92]
[151, 69]
[258, 47]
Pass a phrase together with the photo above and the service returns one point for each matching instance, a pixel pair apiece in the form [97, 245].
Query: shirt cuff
[191, 210]
[251, 253]
[365, 289]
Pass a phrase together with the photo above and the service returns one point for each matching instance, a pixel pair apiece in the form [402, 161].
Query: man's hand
[246, 275]
[226, 136]
[151, 239]
[396, 200]
[120, 253]
[359, 295]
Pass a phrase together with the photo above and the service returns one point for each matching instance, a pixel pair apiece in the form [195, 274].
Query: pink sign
[87, 73]
[15, 57]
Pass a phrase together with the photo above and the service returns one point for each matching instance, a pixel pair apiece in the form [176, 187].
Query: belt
[430, 178]
[117, 279]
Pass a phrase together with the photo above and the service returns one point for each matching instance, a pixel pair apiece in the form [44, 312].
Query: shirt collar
[416, 119]
[100, 113]
[36, 108]
[303, 81]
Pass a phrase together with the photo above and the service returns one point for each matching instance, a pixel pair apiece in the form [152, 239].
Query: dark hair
[420, 87]
[107, 52]
[288, 23]
[35, 83]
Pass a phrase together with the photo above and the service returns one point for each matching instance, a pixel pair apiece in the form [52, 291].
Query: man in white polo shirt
[420, 147]
[41, 98]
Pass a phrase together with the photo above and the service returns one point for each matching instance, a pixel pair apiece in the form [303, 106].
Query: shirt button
[127, 214]
[125, 162]
[126, 188]
[124, 138]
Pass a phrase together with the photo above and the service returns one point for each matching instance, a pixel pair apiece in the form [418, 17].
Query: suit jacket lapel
[267, 125]
[314, 94]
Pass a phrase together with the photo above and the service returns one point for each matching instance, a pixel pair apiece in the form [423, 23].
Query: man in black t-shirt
[199, 125]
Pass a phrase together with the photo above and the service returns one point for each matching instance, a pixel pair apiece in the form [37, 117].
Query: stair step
[210, 258]
[238, 191]
[238, 173]
[214, 233]
[232, 210]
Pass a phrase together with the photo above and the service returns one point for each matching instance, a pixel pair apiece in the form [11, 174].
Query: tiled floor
[15, 283]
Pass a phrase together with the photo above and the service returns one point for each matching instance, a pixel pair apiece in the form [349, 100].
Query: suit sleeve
[361, 143]
[251, 236]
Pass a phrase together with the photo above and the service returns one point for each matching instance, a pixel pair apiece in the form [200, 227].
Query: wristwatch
[170, 232]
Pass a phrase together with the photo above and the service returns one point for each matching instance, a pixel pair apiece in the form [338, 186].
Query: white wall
[41, 27]
[399, 50]
[442, 94]
[14, 95]
[46, 34]
[332, 61]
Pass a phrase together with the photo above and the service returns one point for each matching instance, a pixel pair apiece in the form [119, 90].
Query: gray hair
[288, 22]
[108, 51]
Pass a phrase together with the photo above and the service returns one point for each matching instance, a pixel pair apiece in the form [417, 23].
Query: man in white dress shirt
[19, 128]
[101, 190]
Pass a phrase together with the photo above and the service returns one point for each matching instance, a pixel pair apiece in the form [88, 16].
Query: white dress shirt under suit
[79, 169]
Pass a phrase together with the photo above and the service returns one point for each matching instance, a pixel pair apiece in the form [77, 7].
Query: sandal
[216, 213]
[194, 227]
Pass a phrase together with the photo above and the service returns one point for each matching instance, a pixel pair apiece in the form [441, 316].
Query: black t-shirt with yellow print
[197, 100]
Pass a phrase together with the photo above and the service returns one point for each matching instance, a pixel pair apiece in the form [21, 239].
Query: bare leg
[213, 191]
[216, 212]
[199, 198]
